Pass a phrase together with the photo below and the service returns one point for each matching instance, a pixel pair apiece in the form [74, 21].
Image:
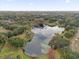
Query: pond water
[39, 43]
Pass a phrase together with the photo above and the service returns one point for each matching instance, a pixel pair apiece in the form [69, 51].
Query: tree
[15, 32]
[59, 42]
[70, 33]
[16, 42]
[67, 53]
[2, 39]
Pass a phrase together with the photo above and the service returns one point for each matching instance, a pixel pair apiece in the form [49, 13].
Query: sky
[39, 5]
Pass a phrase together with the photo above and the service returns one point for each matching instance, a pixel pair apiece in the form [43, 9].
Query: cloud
[67, 1]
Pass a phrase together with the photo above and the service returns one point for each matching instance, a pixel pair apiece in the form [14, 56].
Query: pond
[38, 46]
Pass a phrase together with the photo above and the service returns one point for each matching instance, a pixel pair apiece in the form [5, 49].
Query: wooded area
[15, 31]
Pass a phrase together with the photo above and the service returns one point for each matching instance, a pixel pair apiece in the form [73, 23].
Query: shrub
[16, 42]
[16, 32]
[70, 33]
[59, 42]
[67, 53]
[2, 39]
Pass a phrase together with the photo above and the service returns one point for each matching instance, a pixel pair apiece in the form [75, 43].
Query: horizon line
[38, 10]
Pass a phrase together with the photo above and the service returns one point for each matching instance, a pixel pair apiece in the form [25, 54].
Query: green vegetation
[15, 31]
[2, 40]
[16, 42]
[70, 33]
[59, 42]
